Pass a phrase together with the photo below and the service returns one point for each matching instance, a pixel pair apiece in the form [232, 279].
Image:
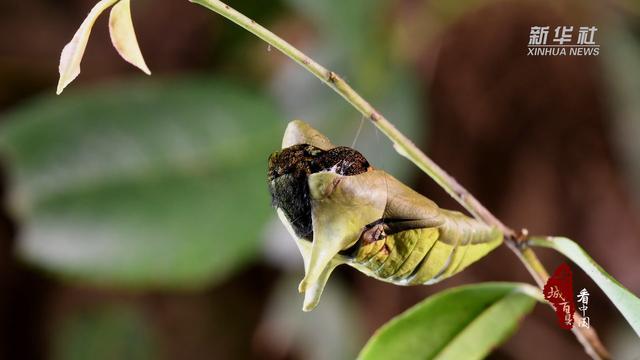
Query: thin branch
[408, 149]
[401, 143]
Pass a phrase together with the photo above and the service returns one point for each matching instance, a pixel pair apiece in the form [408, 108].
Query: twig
[407, 148]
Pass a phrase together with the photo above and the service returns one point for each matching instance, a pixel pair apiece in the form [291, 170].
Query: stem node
[332, 78]
[521, 238]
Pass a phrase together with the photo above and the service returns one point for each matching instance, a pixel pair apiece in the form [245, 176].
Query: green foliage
[623, 299]
[102, 333]
[160, 184]
[466, 322]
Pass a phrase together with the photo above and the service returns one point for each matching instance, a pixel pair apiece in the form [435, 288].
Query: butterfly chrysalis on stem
[341, 210]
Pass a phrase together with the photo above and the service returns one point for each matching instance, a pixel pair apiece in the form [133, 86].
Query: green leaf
[626, 302]
[154, 184]
[465, 322]
[104, 332]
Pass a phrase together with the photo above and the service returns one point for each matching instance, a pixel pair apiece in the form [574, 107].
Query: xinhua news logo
[564, 41]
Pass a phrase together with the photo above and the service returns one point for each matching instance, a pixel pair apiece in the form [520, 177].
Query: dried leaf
[368, 220]
[123, 35]
[72, 52]
[299, 132]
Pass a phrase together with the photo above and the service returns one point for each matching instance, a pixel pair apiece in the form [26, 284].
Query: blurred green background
[136, 222]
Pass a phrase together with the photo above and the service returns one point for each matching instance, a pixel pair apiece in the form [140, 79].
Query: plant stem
[406, 148]
[401, 143]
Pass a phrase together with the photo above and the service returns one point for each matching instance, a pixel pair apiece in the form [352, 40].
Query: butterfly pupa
[341, 210]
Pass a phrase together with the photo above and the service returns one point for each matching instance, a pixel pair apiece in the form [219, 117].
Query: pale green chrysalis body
[432, 243]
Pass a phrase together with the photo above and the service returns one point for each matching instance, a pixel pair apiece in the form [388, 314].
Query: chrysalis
[341, 210]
